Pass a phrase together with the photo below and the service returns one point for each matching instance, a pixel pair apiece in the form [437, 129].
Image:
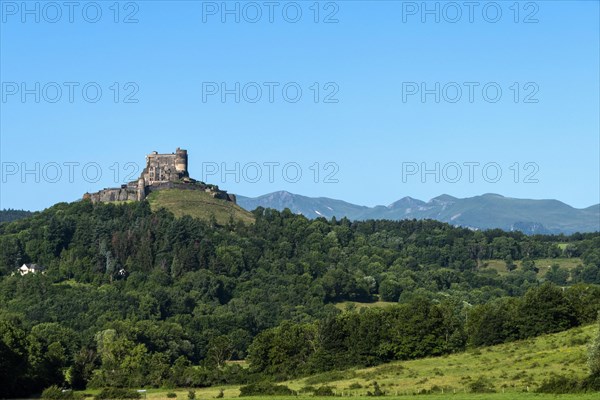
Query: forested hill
[132, 297]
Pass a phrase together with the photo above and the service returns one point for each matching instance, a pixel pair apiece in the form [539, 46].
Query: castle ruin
[162, 171]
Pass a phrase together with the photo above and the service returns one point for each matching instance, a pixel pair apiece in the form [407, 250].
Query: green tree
[544, 309]
[390, 290]
[13, 357]
[510, 264]
[220, 349]
[557, 275]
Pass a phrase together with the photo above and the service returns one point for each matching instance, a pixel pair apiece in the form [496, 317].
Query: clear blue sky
[373, 58]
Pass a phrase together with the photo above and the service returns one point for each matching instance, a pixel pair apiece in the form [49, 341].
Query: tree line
[417, 329]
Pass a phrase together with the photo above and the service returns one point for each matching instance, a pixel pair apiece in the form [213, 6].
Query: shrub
[117, 393]
[355, 385]
[578, 341]
[220, 394]
[329, 376]
[324, 391]
[591, 383]
[192, 395]
[171, 395]
[56, 393]
[307, 389]
[481, 385]
[376, 390]
[559, 385]
[594, 354]
[53, 392]
[265, 389]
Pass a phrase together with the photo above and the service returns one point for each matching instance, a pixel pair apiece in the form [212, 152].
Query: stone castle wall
[163, 171]
[110, 195]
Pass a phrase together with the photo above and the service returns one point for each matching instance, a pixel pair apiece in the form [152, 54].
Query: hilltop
[166, 183]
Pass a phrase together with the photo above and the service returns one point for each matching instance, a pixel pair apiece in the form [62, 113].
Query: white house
[30, 268]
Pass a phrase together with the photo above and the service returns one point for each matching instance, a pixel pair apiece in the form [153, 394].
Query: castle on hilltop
[165, 167]
[163, 171]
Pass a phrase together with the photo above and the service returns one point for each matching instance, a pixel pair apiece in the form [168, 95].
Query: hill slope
[511, 367]
[198, 204]
[479, 212]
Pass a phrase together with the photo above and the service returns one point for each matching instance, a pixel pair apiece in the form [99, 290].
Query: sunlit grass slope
[512, 367]
[198, 204]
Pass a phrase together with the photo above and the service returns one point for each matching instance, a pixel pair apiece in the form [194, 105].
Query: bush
[192, 395]
[563, 385]
[481, 385]
[220, 394]
[265, 389]
[307, 389]
[171, 395]
[355, 385]
[329, 376]
[594, 354]
[56, 393]
[53, 392]
[560, 385]
[324, 391]
[591, 383]
[117, 393]
[376, 390]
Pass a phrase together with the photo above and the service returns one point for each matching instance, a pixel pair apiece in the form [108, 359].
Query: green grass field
[198, 204]
[543, 264]
[512, 369]
[345, 305]
[202, 395]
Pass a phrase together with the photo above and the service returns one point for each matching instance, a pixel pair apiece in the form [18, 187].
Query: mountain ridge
[486, 211]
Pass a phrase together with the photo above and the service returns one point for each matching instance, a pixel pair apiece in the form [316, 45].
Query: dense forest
[8, 215]
[133, 298]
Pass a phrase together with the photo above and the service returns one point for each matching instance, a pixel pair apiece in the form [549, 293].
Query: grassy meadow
[200, 395]
[543, 264]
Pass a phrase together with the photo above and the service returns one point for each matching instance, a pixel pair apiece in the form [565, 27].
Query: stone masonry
[162, 171]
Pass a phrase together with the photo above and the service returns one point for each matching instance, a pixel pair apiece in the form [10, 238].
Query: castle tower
[141, 189]
[181, 162]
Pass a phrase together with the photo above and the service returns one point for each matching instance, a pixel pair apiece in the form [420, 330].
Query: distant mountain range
[487, 211]
[480, 212]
